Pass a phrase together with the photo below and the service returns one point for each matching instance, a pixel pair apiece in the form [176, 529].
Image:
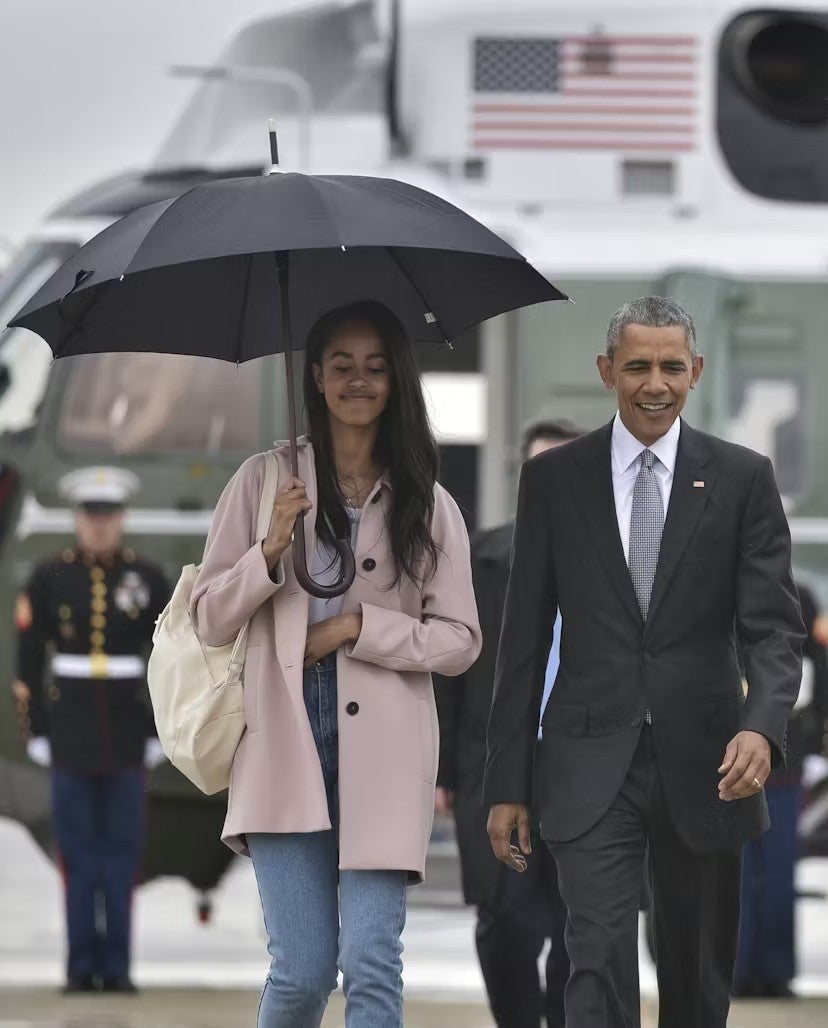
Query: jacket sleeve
[233, 580]
[768, 618]
[448, 694]
[33, 633]
[528, 626]
[447, 638]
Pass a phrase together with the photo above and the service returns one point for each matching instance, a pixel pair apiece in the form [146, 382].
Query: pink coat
[388, 750]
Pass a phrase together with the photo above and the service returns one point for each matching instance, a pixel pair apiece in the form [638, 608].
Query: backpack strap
[270, 486]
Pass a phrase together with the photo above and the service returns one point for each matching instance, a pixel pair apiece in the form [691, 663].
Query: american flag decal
[629, 93]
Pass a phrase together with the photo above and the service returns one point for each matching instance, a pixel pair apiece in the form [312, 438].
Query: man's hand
[327, 636]
[746, 766]
[443, 801]
[504, 818]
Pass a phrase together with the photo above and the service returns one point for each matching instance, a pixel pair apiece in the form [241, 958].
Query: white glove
[814, 769]
[153, 754]
[39, 751]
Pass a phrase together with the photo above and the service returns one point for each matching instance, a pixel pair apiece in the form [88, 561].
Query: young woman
[332, 788]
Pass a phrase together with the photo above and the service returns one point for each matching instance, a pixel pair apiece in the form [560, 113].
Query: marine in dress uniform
[85, 622]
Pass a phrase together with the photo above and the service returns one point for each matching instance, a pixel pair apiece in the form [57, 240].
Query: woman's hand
[291, 501]
[327, 636]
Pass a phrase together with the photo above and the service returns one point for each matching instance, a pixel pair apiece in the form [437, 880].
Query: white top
[321, 571]
[626, 463]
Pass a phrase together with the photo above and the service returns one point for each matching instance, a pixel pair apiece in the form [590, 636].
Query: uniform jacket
[388, 733]
[463, 706]
[74, 605]
[723, 573]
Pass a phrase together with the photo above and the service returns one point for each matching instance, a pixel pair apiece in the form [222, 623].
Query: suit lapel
[598, 507]
[688, 500]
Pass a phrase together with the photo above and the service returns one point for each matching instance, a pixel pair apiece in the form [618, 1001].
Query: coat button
[369, 564]
[352, 708]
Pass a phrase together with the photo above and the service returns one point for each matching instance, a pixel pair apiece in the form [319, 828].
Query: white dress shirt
[626, 463]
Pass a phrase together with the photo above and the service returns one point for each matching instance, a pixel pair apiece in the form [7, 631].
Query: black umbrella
[198, 275]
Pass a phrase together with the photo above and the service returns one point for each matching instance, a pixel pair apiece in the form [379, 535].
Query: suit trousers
[695, 912]
[511, 930]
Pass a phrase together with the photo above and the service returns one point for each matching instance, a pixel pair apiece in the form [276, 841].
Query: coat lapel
[598, 507]
[688, 500]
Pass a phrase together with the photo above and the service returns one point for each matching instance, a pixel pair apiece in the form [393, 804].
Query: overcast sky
[85, 91]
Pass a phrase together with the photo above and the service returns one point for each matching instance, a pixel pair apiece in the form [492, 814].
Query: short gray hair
[653, 312]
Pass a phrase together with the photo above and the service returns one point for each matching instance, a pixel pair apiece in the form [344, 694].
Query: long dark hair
[405, 446]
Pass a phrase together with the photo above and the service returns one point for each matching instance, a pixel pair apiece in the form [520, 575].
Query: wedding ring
[758, 784]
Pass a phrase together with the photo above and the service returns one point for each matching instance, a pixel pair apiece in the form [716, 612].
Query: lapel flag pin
[698, 485]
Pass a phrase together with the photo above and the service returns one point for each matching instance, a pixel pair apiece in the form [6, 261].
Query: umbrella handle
[300, 566]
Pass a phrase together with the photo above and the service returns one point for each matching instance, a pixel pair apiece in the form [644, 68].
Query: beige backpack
[196, 690]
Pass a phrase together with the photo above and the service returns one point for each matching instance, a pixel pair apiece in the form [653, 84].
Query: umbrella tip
[274, 146]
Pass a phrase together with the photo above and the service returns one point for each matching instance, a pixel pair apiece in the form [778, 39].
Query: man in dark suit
[516, 914]
[661, 546]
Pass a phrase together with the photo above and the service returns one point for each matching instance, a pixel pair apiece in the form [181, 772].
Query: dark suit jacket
[463, 705]
[724, 569]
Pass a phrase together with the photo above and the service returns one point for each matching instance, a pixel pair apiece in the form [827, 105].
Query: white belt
[96, 665]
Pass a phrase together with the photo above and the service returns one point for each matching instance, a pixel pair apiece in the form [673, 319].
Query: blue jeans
[319, 919]
[99, 829]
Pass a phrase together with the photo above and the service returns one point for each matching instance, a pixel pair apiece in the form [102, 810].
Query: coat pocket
[428, 744]
[566, 718]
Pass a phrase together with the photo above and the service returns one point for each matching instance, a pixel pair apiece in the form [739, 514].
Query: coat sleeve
[233, 580]
[528, 627]
[446, 639]
[448, 695]
[768, 618]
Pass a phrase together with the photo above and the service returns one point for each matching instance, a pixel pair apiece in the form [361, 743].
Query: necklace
[355, 489]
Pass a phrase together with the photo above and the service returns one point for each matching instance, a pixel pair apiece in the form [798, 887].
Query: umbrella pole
[343, 548]
[287, 336]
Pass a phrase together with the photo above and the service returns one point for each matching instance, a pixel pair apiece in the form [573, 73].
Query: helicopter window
[24, 356]
[133, 403]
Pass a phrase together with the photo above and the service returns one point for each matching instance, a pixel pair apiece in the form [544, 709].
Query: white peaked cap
[99, 485]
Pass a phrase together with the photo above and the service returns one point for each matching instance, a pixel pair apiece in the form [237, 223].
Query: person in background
[766, 961]
[85, 624]
[516, 914]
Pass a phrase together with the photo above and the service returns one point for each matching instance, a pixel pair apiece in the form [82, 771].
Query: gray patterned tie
[646, 526]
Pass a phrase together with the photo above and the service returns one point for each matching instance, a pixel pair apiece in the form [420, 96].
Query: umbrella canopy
[242, 268]
[196, 274]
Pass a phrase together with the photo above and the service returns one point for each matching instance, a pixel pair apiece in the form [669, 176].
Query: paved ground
[196, 976]
[173, 1008]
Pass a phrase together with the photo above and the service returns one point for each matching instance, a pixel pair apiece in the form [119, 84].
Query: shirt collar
[626, 449]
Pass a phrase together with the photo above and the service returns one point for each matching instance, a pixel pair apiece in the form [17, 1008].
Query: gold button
[97, 574]
[99, 588]
[67, 630]
[98, 621]
[97, 638]
[64, 612]
[133, 612]
[54, 693]
[98, 606]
